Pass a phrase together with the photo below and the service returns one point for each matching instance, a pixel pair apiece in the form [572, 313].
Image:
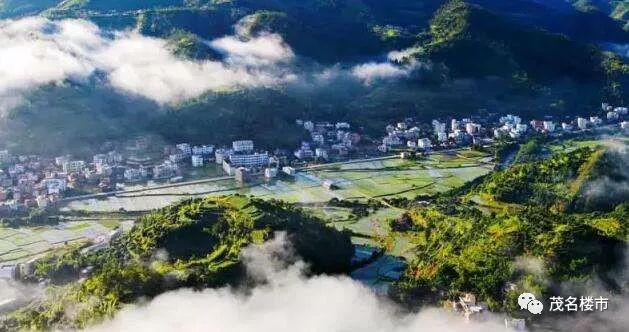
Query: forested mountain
[463, 55]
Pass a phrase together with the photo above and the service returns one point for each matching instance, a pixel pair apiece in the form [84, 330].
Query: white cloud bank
[288, 301]
[36, 51]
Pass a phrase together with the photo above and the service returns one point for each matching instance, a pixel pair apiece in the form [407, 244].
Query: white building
[424, 143]
[391, 140]
[621, 110]
[318, 139]
[442, 136]
[242, 146]
[165, 170]
[411, 144]
[42, 201]
[114, 157]
[203, 150]
[342, 125]
[401, 125]
[549, 126]
[521, 128]
[308, 125]
[197, 160]
[611, 116]
[185, 148]
[454, 125]
[304, 153]
[55, 186]
[73, 166]
[582, 123]
[100, 159]
[472, 128]
[321, 153]
[566, 126]
[249, 160]
[59, 161]
[270, 173]
[220, 155]
[177, 157]
[624, 125]
[509, 118]
[595, 120]
[135, 174]
[289, 170]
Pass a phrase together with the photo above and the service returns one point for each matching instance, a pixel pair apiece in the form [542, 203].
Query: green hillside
[473, 41]
[476, 240]
[203, 239]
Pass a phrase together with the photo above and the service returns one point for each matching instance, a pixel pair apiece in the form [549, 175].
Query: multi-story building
[289, 170]
[197, 160]
[612, 116]
[342, 125]
[424, 143]
[71, 166]
[242, 146]
[135, 174]
[549, 126]
[165, 170]
[472, 128]
[220, 155]
[54, 186]
[203, 150]
[595, 120]
[582, 123]
[270, 173]
[566, 126]
[321, 153]
[454, 125]
[185, 148]
[253, 160]
[442, 136]
[100, 159]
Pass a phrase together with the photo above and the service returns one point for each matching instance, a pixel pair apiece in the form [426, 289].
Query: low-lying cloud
[37, 51]
[285, 300]
[14, 294]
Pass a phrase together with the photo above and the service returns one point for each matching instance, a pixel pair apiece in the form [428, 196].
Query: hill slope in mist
[305, 59]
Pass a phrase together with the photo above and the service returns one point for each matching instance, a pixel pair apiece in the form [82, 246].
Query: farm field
[20, 245]
[357, 180]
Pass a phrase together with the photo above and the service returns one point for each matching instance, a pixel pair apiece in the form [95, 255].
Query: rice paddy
[357, 180]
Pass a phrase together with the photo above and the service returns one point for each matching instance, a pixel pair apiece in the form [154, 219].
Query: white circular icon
[524, 299]
[535, 307]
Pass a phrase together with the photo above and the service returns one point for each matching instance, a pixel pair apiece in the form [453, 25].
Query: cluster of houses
[36, 182]
[479, 131]
[329, 141]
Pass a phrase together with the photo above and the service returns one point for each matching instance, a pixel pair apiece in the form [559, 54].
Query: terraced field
[19, 245]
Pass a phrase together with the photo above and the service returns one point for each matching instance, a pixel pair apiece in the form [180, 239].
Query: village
[30, 182]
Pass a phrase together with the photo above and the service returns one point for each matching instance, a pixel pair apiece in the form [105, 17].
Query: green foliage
[540, 182]
[462, 248]
[189, 46]
[529, 151]
[195, 243]
[475, 42]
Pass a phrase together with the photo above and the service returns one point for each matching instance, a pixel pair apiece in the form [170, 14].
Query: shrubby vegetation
[465, 247]
[195, 243]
